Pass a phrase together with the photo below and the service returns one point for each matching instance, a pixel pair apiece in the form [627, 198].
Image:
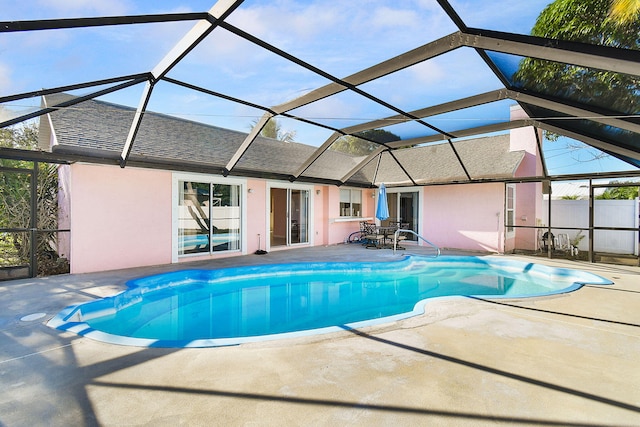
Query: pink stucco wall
[469, 217]
[339, 228]
[321, 215]
[256, 218]
[122, 218]
[119, 217]
[528, 195]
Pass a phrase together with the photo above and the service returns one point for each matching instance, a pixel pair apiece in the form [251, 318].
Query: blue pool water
[202, 308]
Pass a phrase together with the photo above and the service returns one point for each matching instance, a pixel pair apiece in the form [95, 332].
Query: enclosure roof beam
[422, 113]
[601, 145]
[462, 133]
[364, 162]
[581, 54]
[137, 77]
[318, 153]
[60, 24]
[198, 32]
[342, 82]
[407, 59]
[74, 101]
[574, 111]
[255, 131]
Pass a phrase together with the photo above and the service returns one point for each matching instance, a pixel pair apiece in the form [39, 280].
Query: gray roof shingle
[101, 128]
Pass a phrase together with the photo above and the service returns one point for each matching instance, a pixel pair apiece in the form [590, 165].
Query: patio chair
[562, 242]
[544, 240]
[402, 235]
[373, 238]
[360, 235]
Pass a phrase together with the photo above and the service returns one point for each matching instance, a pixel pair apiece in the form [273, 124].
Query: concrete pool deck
[564, 360]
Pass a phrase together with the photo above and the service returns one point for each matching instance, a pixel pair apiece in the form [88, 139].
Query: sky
[338, 37]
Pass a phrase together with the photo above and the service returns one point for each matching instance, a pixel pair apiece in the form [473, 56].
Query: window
[351, 203]
[208, 217]
[510, 214]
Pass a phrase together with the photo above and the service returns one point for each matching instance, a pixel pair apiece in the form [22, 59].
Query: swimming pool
[206, 308]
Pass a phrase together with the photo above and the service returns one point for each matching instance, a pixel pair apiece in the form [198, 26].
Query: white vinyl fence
[607, 213]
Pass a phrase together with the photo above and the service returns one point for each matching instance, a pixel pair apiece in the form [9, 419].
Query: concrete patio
[566, 360]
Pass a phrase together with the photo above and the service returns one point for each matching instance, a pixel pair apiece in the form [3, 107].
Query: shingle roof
[424, 83]
[100, 128]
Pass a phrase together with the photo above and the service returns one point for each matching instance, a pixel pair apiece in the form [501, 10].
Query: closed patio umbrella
[382, 209]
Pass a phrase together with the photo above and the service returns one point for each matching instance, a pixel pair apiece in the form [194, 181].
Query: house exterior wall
[119, 218]
[528, 212]
[338, 229]
[256, 221]
[528, 209]
[469, 217]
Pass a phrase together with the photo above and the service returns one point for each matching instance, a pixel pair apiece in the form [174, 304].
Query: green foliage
[620, 193]
[15, 197]
[273, 129]
[585, 21]
[357, 146]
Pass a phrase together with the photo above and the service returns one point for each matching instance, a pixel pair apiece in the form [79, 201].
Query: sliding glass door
[403, 208]
[209, 217]
[288, 216]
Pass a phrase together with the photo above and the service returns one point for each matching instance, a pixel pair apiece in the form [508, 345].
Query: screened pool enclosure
[353, 94]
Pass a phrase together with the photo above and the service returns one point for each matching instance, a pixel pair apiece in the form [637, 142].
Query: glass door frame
[289, 187]
[176, 179]
[420, 211]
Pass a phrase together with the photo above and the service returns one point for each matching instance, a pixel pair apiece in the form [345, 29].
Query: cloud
[428, 73]
[332, 108]
[388, 17]
[75, 8]
[6, 85]
[503, 15]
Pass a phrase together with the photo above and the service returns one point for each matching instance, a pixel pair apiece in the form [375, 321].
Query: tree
[15, 202]
[273, 129]
[586, 21]
[621, 193]
[624, 11]
[360, 144]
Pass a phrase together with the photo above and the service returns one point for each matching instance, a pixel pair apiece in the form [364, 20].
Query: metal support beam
[540, 154]
[317, 153]
[363, 163]
[604, 146]
[591, 222]
[247, 142]
[463, 133]
[58, 24]
[406, 172]
[606, 58]
[199, 32]
[573, 111]
[412, 57]
[135, 125]
[190, 40]
[447, 107]
[33, 222]
[71, 102]
[460, 162]
[134, 77]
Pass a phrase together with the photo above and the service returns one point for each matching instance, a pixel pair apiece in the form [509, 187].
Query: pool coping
[63, 321]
